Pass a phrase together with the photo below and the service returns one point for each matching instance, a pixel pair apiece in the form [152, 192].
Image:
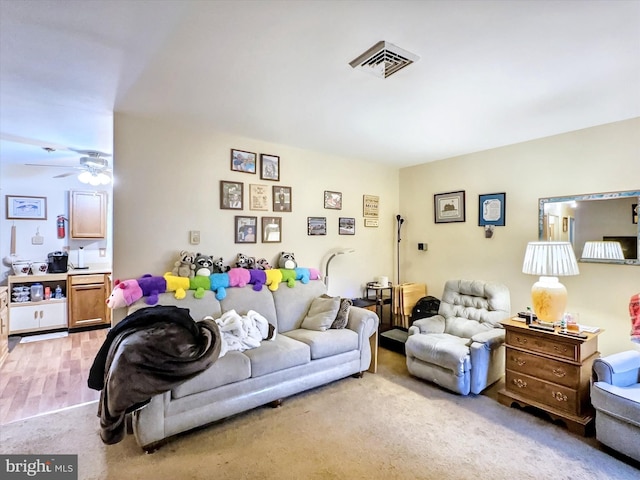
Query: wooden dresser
[551, 372]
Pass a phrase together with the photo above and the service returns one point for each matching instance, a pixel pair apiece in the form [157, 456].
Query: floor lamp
[400, 222]
[333, 255]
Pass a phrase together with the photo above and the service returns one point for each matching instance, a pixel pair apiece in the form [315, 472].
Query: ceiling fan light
[85, 177]
[94, 180]
[104, 179]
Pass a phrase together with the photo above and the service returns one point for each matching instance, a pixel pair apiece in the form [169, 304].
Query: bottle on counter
[47, 293]
[58, 292]
[37, 292]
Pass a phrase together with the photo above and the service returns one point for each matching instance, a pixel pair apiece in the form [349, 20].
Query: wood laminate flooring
[48, 375]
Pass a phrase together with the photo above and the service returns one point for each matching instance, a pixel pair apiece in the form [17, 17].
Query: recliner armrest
[433, 324]
[620, 369]
[491, 338]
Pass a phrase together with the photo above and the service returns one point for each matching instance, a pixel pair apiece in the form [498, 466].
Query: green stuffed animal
[288, 276]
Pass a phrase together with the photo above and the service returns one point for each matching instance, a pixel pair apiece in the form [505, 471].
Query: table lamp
[550, 260]
[602, 251]
[333, 255]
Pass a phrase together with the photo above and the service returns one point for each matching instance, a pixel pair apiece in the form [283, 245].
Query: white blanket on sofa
[243, 332]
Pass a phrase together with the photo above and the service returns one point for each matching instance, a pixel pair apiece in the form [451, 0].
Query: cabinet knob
[558, 372]
[518, 360]
[518, 382]
[559, 396]
[521, 340]
[557, 349]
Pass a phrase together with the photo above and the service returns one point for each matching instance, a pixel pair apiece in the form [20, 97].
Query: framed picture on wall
[245, 228]
[269, 167]
[634, 213]
[333, 200]
[281, 198]
[316, 225]
[346, 226]
[231, 195]
[258, 197]
[449, 207]
[491, 209]
[271, 229]
[26, 208]
[370, 204]
[242, 161]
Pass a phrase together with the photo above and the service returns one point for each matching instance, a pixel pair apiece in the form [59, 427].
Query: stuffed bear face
[262, 264]
[204, 265]
[187, 257]
[287, 260]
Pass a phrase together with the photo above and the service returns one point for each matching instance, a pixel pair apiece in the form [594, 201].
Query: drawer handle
[518, 360]
[521, 340]
[559, 396]
[519, 383]
[556, 348]
[558, 372]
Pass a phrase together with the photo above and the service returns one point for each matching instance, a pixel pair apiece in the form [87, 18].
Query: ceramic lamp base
[549, 298]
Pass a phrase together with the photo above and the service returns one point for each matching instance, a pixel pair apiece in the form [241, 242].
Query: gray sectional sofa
[297, 359]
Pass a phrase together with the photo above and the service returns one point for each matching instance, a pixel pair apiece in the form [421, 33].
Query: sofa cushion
[321, 314]
[342, 317]
[243, 299]
[292, 304]
[277, 354]
[232, 367]
[442, 349]
[328, 343]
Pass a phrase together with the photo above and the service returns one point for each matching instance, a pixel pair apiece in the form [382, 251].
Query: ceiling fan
[95, 169]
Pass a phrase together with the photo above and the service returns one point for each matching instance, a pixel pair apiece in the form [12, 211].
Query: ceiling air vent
[384, 59]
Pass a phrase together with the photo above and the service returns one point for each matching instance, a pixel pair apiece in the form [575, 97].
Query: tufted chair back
[472, 306]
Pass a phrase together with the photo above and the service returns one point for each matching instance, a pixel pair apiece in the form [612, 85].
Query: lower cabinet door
[26, 318]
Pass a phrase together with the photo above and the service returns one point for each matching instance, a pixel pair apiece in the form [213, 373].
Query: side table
[380, 298]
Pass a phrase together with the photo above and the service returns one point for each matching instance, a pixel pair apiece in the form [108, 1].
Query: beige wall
[599, 159]
[167, 182]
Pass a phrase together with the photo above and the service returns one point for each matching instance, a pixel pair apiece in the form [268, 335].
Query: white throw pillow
[321, 314]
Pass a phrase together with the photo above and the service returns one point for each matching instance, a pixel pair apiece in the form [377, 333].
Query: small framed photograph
[634, 213]
[271, 229]
[333, 200]
[245, 228]
[269, 167]
[316, 225]
[370, 205]
[242, 161]
[491, 209]
[281, 199]
[258, 197]
[231, 195]
[371, 222]
[346, 226]
[26, 208]
[449, 207]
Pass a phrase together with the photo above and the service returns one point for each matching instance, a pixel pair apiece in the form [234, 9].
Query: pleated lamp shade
[603, 250]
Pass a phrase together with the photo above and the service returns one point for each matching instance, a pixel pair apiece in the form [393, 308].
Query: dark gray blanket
[148, 358]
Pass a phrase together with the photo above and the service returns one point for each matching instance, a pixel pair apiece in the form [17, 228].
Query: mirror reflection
[602, 227]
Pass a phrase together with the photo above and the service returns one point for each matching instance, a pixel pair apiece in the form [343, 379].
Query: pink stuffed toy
[238, 277]
[314, 274]
[124, 294]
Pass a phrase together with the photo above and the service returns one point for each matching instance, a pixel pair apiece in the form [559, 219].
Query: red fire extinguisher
[60, 224]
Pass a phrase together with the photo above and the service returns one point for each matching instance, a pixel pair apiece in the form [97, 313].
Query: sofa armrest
[620, 369]
[364, 322]
[434, 324]
[491, 338]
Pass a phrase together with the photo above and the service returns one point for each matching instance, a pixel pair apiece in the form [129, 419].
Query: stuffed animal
[287, 260]
[219, 266]
[302, 274]
[262, 264]
[238, 277]
[219, 282]
[177, 284]
[124, 294]
[151, 287]
[288, 276]
[204, 265]
[257, 278]
[242, 261]
[314, 274]
[274, 277]
[184, 266]
[200, 284]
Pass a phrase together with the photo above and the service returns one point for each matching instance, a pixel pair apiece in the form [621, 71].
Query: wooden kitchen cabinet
[87, 214]
[27, 317]
[87, 300]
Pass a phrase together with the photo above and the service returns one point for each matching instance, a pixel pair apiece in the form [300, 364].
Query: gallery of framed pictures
[449, 207]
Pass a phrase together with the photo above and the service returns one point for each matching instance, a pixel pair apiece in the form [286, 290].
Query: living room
[168, 166]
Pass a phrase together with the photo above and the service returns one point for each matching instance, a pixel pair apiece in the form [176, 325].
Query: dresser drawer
[545, 345]
[550, 394]
[4, 297]
[86, 279]
[544, 368]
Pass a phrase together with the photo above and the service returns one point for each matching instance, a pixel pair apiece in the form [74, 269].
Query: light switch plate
[194, 237]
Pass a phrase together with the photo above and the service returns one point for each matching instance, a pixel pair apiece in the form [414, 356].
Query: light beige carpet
[383, 426]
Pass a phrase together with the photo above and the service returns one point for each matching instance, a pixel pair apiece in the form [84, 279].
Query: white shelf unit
[27, 317]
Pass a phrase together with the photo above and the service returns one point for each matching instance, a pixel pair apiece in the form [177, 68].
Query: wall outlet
[194, 237]
[423, 246]
[103, 252]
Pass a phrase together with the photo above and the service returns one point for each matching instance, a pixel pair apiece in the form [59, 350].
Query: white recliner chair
[462, 348]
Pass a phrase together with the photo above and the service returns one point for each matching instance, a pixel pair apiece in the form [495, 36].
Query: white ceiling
[490, 73]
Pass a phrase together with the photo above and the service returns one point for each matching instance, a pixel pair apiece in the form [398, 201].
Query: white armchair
[462, 348]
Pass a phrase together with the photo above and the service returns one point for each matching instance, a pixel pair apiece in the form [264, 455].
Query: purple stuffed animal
[151, 287]
[258, 279]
